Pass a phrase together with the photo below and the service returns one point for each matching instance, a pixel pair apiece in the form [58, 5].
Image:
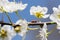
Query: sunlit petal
[32, 10]
[46, 16]
[55, 10]
[22, 6]
[45, 9]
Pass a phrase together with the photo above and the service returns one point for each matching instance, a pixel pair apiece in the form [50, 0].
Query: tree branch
[31, 24]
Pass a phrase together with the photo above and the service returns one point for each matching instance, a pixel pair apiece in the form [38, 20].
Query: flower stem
[52, 31]
[18, 15]
[8, 17]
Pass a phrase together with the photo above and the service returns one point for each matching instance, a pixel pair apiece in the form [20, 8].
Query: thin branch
[8, 17]
[18, 15]
[30, 23]
[41, 23]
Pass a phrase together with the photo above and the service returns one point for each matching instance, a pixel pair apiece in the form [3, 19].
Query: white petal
[19, 22]
[11, 32]
[32, 10]
[55, 10]
[39, 9]
[45, 9]
[55, 19]
[10, 7]
[52, 17]
[45, 26]
[6, 27]
[23, 6]
[46, 16]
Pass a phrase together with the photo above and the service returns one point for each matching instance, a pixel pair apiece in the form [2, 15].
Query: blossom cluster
[7, 6]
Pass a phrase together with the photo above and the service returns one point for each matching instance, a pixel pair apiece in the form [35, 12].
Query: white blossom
[55, 17]
[12, 6]
[43, 32]
[10, 34]
[39, 11]
[23, 27]
[21, 6]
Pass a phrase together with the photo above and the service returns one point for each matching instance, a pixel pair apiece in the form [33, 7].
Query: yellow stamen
[17, 29]
[2, 9]
[39, 14]
[3, 33]
[47, 34]
[58, 16]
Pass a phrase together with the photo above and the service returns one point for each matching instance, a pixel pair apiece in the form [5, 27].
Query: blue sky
[25, 14]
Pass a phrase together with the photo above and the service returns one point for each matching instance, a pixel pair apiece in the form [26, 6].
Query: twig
[8, 17]
[52, 30]
[30, 24]
[41, 23]
[18, 15]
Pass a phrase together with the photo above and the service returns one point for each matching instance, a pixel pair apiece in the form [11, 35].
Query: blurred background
[25, 14]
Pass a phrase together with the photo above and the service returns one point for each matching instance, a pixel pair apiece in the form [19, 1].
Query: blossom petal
[45, 9]
[39, 8]
[22, 6]
[55, 10]
[46, 16]
[53, 18]
[32, 10]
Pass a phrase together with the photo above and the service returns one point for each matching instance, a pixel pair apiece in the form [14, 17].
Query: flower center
[2, 9]
[39, 14]
[58, 16]
[17, 29]
[3, 33]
